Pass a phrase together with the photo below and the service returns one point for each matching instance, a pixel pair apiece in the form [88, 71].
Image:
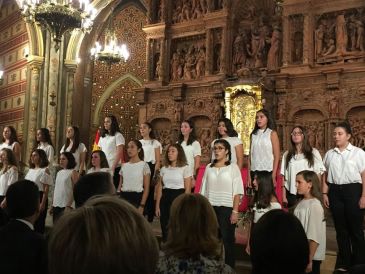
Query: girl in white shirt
[300, 156]
[98, 162]
[8, 172]
[175, 179]
[226, 131]
[44, 141]
[112, 143]
[77, 148]
[10, 140]
[135, 177]
[343, 189]
[152, 150]
[222, 185]
[40, 175]
[310, 213]
[265, 147]
[191, 146]
[65, 180]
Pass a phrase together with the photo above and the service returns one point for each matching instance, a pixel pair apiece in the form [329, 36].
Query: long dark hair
[43, 160]
[46, 136]
[13, 136]
[152, 133]
[270, 121]
[192, 136]
[10, 157]
[103, 160]
[139, 147]
[306, 149]
[227, 146]
[71, 162]
[76, 140]
[114, 127]
[231, 132]
[265, 189]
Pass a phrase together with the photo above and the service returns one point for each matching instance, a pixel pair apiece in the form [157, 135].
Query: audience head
[7, 157]
[264, 188]
[98, 160]
[187, 129]
[342, 134]
[106, 235]
[43, 135]
[146, 130]
[111, 125]
[225, 128]
[222, 149]
[134, 148]
[9, 133]
[278, 244]
[38, 158]
[96, 183]
[22, 200]
[193, 228]
[175, 154]
[264, 120]
[67, 160]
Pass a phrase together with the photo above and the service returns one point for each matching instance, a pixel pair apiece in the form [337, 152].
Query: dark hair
[192, 136]
[152, 133]
[346, 126]
[270, 121]
[22, 199]
[46, 136]
[13, 136]
[181, 158]
[71, 163]
[231, 132]
[306, 149]
[96, 183]
[312, 177]
[114, 127]
[275, 236]
[103, 160]
[139, 147]
[265, 189]
[43, 160]
[76, 140]
[10, 157]
[227, 146]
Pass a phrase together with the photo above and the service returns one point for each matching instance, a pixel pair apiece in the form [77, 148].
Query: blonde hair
[193, 228]
[107, 236]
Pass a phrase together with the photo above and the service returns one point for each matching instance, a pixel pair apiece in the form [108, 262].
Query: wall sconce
[1, 77]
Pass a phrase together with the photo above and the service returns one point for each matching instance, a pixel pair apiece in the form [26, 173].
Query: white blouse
[259, 212]
[7, 178]
[233, 141]
[173, 177]
[49, 151]
[299, 163]
[149, 147]
[40, 177]
[5, 145]
[104, 169]
[108, 145]
[220, 185]
[63, 192]
[132, 174]
[191, 151]
[262, 157]
[76, 154]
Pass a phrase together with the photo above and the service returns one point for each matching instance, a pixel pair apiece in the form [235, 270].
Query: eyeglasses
[296, 133]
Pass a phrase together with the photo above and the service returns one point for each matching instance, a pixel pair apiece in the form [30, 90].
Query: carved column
[308, 39]
[149, 58]
[163, 65]
[286, 41]
[224, 50]
[209, 52]
[70, 87]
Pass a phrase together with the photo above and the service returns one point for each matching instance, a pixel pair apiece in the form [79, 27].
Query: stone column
[286, 41]
[70, 87]
[149, 59]
[162, 76]
[209, 52]
[308, 39]
[224, 50]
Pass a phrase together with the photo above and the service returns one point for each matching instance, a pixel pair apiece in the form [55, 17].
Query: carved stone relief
[356, 117]
[217, 46]
[296, 38]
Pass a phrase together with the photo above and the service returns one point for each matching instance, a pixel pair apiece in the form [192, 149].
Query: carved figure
[239, 53]
[197, 12]
[333, 107]
[319, 35]
[203, 5]
[320, 138]
[331, 48]
[157, 70]
[205, 140]
[175, 63]
[200, 64]
[161, 11]
[360, 35]
[176, 16]
[178, 113]
[341, 34]
[186, 11]
[190, 62]
[273, 56]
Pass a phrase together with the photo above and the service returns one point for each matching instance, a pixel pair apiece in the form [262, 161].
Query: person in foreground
[192, 244]
[22, 251]
[279, 244]
[107, 235]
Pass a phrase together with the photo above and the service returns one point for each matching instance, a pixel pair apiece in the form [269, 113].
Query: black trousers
[348, 219]
[316, 267]
[116, 177]
[168, 196]
[133, 198]
[150, 202]
[227, 232]
[39, 225]
[57, 213]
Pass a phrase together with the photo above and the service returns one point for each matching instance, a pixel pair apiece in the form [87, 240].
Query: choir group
[151, 182]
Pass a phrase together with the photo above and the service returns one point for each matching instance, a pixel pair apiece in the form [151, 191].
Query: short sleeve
[13, 175]
[82, 148]
[121, 170]
[211, 149]
[236, 141]
[361, 161]
[283, 163]
[325, 159]
[50, 154]
[146, 169]
[157, 144]
[187, 172]
[62, 149]
[119, 139]
[316, 219]
[318, 167]
[204, 180]
[46, 178]
[197, 150]
[237, 180]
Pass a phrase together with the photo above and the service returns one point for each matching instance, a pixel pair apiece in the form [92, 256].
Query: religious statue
[200, 64]
[273, 56]
[333, 108]
[319, 35]
[341, 34]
